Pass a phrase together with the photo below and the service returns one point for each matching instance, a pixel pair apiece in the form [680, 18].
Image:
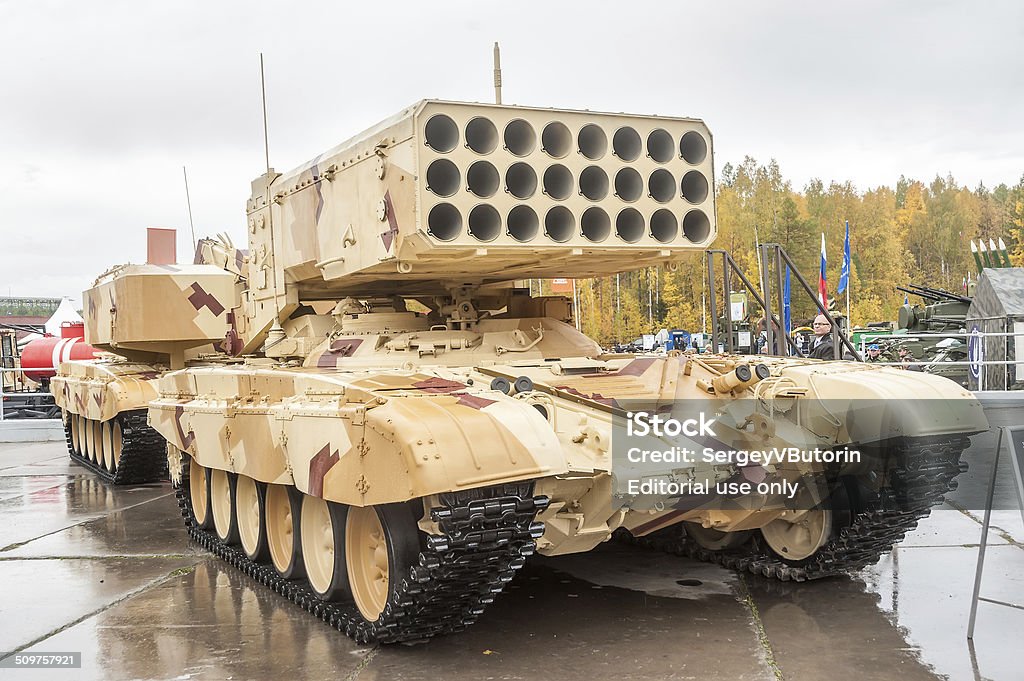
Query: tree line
[915, 232]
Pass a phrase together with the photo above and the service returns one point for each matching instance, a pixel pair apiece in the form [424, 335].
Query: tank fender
[894, 403]
[97, 392]
[417, 445]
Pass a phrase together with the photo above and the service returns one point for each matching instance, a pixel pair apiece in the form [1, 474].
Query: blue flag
[844, 274]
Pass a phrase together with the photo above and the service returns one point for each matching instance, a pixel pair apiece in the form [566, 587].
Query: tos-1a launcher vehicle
[391, 428]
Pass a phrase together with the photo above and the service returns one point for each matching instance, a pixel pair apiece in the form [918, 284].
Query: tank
[104, 402]
[943, 313]
[393, 428]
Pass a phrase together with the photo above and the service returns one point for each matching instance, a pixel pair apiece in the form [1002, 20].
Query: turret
[156, 313]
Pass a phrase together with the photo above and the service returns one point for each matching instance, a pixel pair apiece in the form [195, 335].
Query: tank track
[924, 471]
[486, 536]
[143, 452]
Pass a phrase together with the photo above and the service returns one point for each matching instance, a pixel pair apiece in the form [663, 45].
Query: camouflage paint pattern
[160, 309]
[101, 389]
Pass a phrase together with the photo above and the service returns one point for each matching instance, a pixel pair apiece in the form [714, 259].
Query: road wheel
[199, 494]
[283, 509]
[116, 445]
[250, 499]
[87, 439]
[104, 447]
[222, 502]
[323, 547]
[94, 442]
[381, 544]
[801, 539]
[76, 433]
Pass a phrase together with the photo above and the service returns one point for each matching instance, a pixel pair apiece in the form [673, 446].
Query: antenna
[497, 74]
[263, 95]
[188, 200]
[275, 329]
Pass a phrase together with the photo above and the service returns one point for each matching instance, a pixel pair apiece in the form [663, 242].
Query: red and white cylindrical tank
[41, 357]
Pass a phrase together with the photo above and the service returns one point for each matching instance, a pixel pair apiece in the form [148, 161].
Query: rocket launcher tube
[1004, 253]
[977, 258]
[984, 253]
[479, 194]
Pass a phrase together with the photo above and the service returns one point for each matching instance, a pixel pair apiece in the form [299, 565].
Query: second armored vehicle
[104, 403]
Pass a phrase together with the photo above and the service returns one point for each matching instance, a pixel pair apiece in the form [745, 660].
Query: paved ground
[108, 572]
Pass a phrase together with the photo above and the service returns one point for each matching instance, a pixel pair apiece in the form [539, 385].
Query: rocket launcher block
[452, 193]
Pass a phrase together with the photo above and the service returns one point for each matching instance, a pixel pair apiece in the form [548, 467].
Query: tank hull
[104, 406]
[370, 438]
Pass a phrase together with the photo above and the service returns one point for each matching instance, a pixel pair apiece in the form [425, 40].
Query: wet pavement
[109, 573]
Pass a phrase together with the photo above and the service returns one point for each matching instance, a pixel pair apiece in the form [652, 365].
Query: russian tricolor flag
[822, 279]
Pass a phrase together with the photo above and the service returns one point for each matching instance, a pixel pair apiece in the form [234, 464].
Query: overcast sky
[103, 102]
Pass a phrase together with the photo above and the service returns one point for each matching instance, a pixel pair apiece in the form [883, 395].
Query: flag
[787, 311]
[822, 279]
[844, 274]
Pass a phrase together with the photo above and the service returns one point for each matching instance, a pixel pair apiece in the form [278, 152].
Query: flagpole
[848, 257]
[849, 322]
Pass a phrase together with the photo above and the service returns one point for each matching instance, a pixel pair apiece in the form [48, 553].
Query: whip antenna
[263, 95]
[188, 201]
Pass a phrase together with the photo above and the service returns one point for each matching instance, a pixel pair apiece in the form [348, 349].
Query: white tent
[28, 339]
[64, 313]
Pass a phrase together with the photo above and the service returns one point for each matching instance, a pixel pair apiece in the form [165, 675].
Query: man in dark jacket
[821, 346]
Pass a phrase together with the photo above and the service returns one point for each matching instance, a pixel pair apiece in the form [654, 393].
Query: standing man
[821, 346]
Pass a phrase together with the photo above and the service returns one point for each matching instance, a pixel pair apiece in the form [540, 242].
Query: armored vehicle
[943, 311]
[393, 427]
[104, 402]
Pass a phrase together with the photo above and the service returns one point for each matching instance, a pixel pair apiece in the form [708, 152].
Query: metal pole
[657, 287]
[497, 74]
[650, 299]
[703, 296]
[767, 303]
[750, 287]
[984, 539]
[727, 283]
[618, 312]
[849, 322]
[711, 298]
[576, 304]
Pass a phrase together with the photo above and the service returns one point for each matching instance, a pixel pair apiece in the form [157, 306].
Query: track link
[143, 452]
[924, 470]
[486, 536]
